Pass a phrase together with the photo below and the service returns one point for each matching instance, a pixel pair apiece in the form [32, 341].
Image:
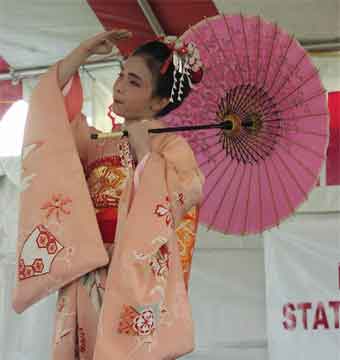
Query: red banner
[333, 152]
[9, 94]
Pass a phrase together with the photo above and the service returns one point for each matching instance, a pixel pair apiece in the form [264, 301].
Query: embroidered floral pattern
[38, 253]
[164, 211]
[30, 148]
[179, 198]
[144, 323]
[165, 317]
[138, 322]
[159, 262]
[27, 150]
[38, 265]
[82, 340]
[26, 181]
[61, 304]
[125, 154]
[94, 287]
[126, 320]
[56, 206]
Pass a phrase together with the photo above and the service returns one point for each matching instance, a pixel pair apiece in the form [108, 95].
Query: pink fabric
[73, 94]
[53, 243]
[130, 308]
[139, 170]
[66, 89]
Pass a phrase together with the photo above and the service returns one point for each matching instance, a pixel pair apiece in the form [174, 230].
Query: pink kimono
[116, 241]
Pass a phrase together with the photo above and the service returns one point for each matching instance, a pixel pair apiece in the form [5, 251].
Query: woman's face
[132, 91]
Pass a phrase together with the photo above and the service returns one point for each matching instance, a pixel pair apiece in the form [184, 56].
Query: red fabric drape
[74, 98]
[174, 16]
[9, 94]
[333, 152]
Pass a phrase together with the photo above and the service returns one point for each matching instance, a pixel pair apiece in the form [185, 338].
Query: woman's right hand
[100, 44]
[103, 43]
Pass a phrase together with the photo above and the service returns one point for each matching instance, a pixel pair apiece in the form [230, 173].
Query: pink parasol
[255, 73]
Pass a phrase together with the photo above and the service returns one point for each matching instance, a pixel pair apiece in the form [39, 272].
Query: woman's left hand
[139, 138]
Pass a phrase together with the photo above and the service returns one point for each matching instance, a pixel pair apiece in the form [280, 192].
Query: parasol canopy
[256, 73]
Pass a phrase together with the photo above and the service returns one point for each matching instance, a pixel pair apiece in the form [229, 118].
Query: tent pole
[18, 74]
[317, 46]
[151, 17]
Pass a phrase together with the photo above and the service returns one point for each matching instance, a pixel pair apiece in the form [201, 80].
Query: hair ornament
[186, 61]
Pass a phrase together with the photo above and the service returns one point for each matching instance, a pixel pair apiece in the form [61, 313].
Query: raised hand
[103, 43]
[100, 44]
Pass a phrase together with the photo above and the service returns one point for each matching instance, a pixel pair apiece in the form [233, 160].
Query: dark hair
[155, 54]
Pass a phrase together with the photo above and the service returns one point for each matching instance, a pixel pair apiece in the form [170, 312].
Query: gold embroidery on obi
[106, 180]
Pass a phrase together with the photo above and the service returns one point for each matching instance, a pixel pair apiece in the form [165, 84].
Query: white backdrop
[227, 292]
[303, 288]
[26, 336]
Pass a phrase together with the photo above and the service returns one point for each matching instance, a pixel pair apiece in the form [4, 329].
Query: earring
[111, 115]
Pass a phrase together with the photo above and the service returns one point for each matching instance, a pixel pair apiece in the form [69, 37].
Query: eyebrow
[132, 74]
[135, 76]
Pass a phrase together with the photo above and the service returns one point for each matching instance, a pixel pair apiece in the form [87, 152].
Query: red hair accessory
[186, 60]
[112, 116]
[197, 76]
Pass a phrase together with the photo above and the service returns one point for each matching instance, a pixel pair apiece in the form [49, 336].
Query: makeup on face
[133, 89]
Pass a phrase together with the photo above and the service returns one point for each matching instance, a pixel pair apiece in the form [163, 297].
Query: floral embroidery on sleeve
[57, 206]
[158, 262]
[139, 321]
[180, 198]
[41, 247]
[95, 288]
[27, 150]
[164, 210]
[38, 253]
[82, 340]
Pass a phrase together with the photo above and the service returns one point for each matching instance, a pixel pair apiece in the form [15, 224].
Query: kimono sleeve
[73, 101]
[58, 235]
[183, 176]
[185, 187]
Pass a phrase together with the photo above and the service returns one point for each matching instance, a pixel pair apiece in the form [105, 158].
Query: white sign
[303, 288]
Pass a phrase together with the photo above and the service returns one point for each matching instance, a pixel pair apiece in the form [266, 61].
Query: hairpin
[186, 60]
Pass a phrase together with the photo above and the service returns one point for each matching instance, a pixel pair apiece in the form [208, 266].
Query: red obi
[107, 221]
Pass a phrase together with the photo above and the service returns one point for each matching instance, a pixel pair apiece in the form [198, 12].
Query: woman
[144, 189]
